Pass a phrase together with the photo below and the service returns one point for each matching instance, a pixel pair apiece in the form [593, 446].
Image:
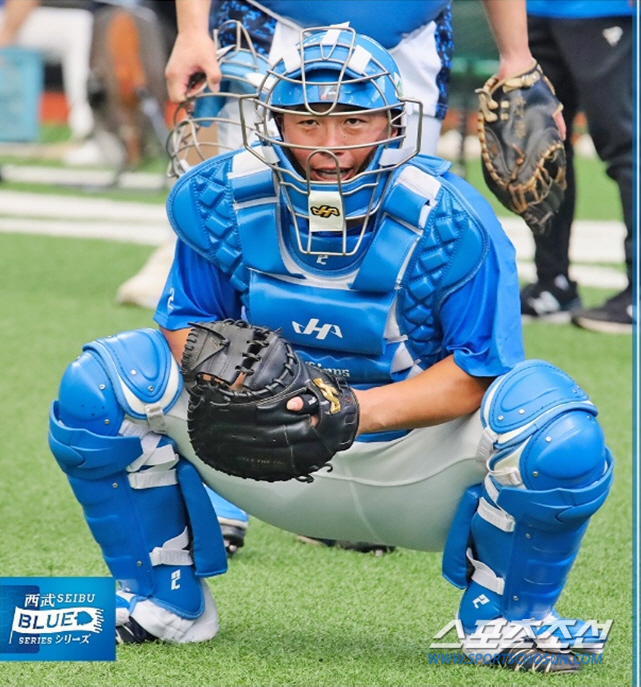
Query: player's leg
[145, 505]
[554, 295]
[601, 50]
[381, 492]
[519, 533]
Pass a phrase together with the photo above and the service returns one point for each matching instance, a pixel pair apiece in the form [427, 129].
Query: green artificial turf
[597, 195]
[290, 614]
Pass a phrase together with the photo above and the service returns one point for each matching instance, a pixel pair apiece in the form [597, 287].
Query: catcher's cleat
[365, 547]
[132, 632]
[233, 536]
[533, 660]
[360, 547]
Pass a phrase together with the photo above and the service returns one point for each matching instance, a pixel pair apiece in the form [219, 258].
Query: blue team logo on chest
[335, 318]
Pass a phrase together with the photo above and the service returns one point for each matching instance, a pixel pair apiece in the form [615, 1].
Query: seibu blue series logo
[57, 619]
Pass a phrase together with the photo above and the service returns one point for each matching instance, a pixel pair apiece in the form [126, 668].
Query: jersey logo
[321, 332]
[613, 35]
[325, 211]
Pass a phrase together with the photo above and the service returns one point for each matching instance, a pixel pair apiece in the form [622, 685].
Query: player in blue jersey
[417, 33]
[380, 265]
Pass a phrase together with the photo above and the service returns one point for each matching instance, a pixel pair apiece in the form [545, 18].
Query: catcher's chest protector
[373, 321]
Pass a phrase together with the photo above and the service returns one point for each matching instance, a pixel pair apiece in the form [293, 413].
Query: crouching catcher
[347, 315]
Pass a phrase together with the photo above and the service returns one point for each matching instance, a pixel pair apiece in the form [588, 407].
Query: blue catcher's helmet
[329, 69]
[193, 139]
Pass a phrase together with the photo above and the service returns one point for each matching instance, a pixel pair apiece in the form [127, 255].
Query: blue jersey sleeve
[195, 291]
[580, 9]
[481, 320]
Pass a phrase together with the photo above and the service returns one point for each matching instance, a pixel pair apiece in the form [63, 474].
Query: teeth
[330, 174]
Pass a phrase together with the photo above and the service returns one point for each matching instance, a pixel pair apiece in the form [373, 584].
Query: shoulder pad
[200, 205]
[482, 226]
[436, 166]
[455, 240]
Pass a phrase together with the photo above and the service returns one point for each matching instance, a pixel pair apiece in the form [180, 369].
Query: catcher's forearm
[439, 394]
[176, 341]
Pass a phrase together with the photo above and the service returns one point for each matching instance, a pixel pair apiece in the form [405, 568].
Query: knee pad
[513, 541]
[132, 373]
[540, 430]
[146, 507]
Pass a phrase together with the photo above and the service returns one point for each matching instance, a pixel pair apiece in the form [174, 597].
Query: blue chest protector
[373, 317]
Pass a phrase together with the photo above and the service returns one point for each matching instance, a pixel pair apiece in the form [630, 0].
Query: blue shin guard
[146, 507]
[515, 538]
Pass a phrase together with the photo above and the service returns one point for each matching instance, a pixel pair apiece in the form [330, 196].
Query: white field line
[127, 232]
[19, 204]
[591, 241]
[85, 177]
[32, 213]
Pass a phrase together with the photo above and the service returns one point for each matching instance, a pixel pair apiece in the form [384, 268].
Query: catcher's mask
[193, 138]
[331, 67]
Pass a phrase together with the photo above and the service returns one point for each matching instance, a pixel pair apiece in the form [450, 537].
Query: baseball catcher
[522, 154]
[336, 298]
[240, 379]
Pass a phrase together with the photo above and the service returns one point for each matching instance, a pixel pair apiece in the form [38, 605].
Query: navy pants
[589, 62]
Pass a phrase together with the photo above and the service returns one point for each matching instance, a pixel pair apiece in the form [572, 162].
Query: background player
[585, 48]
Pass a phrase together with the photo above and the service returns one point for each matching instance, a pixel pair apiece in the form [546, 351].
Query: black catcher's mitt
[239, 379]
[522, 152]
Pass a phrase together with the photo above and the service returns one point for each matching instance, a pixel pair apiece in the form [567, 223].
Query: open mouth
[331, 174]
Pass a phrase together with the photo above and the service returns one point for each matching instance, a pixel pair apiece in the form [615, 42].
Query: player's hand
[560, 123]
[508, 67]
[191, 55]
[298, 405]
